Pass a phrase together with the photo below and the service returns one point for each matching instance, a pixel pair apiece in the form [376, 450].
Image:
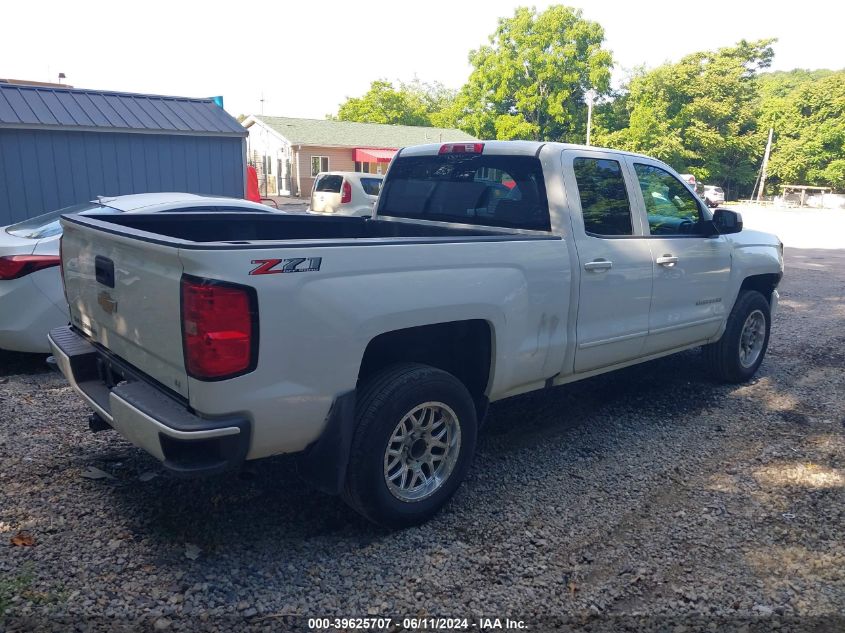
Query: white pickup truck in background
[372, 346]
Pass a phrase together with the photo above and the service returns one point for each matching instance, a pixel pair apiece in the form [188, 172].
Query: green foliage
[708, 114]
[807, 111]
[699, 114]
[529, 82]
[414, 103]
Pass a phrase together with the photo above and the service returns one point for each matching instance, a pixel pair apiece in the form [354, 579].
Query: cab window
[672, 209]
[604, 198]
[488, 190]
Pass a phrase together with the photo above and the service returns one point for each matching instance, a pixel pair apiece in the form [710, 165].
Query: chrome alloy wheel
[422, 451]
[752, 338]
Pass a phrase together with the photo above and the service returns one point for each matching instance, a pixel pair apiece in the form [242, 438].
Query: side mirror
[727, 221]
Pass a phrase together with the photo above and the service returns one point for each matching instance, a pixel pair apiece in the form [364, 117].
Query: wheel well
[764, 284]
[462, 348]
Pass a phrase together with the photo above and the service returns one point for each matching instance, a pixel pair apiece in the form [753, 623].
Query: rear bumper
[147, 415]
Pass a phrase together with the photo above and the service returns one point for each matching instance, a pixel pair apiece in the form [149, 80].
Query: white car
[32, 301]
[713, 195]
[345, 193]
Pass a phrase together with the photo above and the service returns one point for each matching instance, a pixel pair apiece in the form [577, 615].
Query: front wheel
[414, 440]
[738, 354]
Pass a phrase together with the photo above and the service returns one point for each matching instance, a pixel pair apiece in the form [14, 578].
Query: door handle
[598, 265]
[667, 260]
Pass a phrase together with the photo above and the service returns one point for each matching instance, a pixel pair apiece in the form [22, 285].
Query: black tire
[383, 400]
[723, 356]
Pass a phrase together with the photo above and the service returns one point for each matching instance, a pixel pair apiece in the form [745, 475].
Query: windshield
[47, 225]
[490, 190]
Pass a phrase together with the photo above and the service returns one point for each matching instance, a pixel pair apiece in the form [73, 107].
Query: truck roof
[513, 148]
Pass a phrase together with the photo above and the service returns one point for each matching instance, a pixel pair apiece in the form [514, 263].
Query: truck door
[614, 257]
[691, 269]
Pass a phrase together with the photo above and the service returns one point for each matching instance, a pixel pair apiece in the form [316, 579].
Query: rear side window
[371, 186]
[604, 197]
[329, 184]
[504, 191]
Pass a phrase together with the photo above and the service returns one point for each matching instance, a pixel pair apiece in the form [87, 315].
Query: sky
[305, 58]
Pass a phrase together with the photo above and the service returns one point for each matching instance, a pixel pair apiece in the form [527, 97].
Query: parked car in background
[694, 184]
[689, 179]
[345, 193]
[713, 195]
[31, 298]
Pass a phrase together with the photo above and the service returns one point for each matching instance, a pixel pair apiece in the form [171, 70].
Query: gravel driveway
[642, 499]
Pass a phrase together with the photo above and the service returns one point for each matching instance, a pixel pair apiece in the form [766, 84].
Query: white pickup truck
[371, 347]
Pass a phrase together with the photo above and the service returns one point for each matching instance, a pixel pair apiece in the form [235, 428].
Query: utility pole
[589, 97]
[765, 164]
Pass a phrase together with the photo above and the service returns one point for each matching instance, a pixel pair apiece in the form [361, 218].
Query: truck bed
[222, 230]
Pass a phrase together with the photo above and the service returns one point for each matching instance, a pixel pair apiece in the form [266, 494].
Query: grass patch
[10, 586]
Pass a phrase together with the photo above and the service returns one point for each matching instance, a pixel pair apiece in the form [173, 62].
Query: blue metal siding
[26, 106]
[43, 170]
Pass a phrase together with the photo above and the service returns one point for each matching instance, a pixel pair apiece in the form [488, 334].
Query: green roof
[347, 134]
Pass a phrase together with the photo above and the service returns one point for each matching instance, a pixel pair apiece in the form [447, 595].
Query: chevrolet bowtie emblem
[107, 303]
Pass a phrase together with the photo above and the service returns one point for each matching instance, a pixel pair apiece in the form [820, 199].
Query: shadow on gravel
[267, 508]
[656, 391]
[12, 363]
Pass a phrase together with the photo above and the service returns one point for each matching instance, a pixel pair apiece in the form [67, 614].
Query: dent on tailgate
[124, 294]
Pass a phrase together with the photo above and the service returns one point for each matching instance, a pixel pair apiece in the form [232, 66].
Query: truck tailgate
[125, 295]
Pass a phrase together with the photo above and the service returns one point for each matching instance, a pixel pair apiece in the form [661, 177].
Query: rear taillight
[346, 196]
[462, 148]
[62, 267]
[15, 266]
[219, 328]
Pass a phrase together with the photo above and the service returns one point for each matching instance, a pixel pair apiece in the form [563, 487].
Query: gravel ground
[637, 500]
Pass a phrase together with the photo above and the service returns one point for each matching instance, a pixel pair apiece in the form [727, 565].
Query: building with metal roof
[61, 146]
[289, 152]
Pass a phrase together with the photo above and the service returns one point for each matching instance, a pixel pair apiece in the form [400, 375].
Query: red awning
[366, 155]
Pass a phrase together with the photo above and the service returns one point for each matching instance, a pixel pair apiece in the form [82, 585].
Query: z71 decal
[291, 265]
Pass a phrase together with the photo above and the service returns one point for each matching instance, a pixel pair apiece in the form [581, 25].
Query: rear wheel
[413, 444]
[738, 354]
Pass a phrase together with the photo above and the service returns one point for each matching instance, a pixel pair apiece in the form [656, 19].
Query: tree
[415, 103]
[700, 114]
[529, 82]
[807, 111]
